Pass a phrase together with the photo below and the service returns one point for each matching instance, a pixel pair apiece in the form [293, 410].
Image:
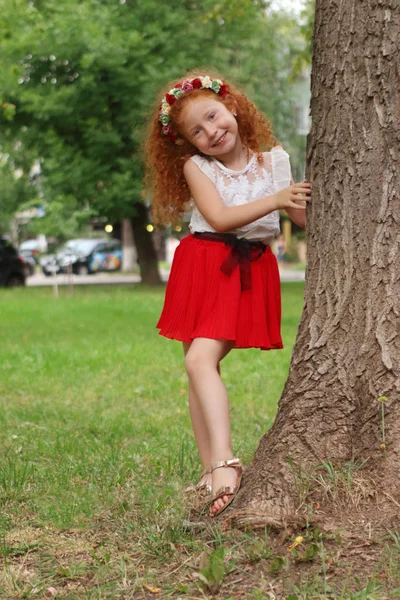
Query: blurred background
[78, 79]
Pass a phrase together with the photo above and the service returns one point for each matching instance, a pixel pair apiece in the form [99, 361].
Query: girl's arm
[295, 215]
[225, 218]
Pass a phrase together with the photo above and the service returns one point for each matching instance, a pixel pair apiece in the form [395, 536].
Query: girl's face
[210, 126]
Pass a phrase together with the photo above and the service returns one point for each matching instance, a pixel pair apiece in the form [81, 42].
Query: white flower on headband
[207, 81]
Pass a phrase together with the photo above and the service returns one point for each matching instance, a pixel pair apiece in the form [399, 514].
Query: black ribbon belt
[242, 253]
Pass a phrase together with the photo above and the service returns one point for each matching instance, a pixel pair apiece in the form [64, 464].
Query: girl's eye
[196, 132]
[211, 117]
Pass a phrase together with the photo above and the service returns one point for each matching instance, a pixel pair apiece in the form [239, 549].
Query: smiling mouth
[220, 140]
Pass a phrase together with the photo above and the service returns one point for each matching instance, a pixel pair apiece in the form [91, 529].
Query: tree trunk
[347, 352]
[128, 246]
[146, 254]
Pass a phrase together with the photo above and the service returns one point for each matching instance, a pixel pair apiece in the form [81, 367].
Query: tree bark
[128, 246]
[347, 352]
[146, 254]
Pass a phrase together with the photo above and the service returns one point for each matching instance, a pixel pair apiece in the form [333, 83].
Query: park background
[96, 445]
[78, 81]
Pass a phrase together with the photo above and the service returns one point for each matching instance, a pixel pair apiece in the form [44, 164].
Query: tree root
[252, 519]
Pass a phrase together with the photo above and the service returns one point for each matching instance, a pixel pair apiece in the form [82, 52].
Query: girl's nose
[211, 131]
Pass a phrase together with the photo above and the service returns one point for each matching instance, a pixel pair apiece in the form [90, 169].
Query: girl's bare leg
[211, 401]
[199, 426]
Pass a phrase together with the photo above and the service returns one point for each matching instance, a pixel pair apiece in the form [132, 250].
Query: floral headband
[197, 83]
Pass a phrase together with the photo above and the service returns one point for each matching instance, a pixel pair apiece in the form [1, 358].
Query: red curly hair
[165, 159]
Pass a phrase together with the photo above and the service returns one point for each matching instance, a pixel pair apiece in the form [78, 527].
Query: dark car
[29, 264]
[84, 256]
[12, 266]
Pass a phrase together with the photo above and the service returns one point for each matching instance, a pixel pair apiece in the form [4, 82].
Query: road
[39, 279]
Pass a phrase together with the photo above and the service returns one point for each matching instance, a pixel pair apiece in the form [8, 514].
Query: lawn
[97, 449]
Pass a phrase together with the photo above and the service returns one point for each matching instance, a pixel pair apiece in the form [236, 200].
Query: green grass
[96, 447]
[91, 393]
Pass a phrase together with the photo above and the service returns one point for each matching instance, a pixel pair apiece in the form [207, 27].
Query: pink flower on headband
[187, 86]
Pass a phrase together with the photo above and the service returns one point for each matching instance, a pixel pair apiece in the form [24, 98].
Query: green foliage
[303, 59]
[13, 192]
[79, 78]
[15, 183]
[64, 218]
[259, 550]
[279, 564]
[213, 570]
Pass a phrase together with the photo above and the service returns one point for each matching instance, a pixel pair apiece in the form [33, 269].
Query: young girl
[224, 291]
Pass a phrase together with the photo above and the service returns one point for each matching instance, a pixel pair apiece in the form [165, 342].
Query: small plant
[343, 482]
[15, 475]
[212, 570]
[256, 595]
[372, 591]
[259, 550]
[304, 550]
[280, 563]
[396, 538]
[302, 480]
[5, 549]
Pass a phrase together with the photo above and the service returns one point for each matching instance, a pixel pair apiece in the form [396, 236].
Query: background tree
[82, 75]
[345, 369]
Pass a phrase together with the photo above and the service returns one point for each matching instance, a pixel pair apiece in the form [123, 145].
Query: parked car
[32, 249]
[84, 256]
[29, 264]
[12, 266]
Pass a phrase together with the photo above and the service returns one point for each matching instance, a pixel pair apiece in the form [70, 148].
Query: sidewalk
[40, 280]
[292, 275]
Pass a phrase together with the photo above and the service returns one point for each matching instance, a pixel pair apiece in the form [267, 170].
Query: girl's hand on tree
[293, 196]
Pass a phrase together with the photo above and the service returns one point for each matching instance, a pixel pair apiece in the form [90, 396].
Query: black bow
[242, 254]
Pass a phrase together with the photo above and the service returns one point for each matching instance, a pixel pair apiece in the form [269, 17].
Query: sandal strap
[206, 472]
[225, 490]
[205, 485]
[231, 462]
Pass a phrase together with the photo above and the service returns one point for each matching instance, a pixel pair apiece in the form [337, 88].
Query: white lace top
[249, 184]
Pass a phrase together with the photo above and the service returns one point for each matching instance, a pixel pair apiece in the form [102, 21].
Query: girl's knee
[190, 363]
[196, 361]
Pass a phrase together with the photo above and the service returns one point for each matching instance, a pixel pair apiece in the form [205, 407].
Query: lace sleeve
[281, 172]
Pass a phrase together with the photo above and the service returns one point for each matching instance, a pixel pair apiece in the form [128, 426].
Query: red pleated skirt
[201, 301]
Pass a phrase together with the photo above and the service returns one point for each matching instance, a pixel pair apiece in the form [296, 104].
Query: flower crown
[202, 82]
